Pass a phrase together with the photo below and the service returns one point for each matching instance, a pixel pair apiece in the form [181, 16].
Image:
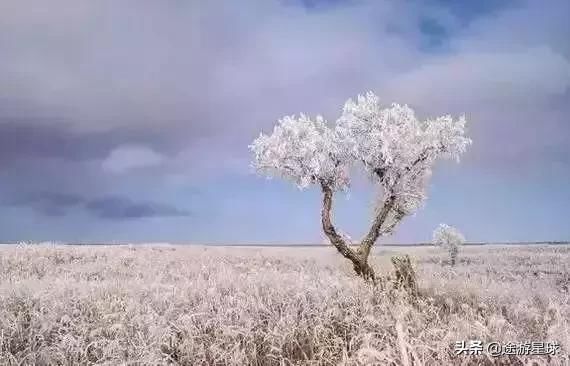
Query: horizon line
[111, 243]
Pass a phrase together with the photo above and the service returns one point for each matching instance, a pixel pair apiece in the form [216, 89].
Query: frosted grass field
[157, 305]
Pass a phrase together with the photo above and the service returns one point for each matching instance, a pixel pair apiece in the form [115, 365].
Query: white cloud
[475, 78]
[128, 157]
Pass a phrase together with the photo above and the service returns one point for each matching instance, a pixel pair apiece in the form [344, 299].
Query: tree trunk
[359, 258]
[453, 255]
[365, 270]
[375, 230]
[359, 261]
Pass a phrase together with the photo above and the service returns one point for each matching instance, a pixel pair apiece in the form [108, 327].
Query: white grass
[154, 305]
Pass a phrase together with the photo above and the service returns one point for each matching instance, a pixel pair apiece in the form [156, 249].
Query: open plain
[194, 305]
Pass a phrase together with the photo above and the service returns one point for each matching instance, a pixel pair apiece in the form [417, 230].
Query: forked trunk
[359, 259]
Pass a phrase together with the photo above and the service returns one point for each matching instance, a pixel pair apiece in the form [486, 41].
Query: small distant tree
[450, 239]
[391, 144]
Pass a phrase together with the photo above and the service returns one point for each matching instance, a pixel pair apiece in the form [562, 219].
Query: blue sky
[129, 121]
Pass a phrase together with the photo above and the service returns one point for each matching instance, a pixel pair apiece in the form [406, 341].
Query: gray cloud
[25, 139]
[47, 203]
[124, 208]
[173, 75]
[107, 207]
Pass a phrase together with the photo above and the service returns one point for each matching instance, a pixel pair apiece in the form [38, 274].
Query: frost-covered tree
[449, 238]
[390, 143]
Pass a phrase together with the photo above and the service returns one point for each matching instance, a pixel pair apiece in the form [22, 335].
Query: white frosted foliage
[303, 150]
[392, 144]
[447, 236]
[396, 148]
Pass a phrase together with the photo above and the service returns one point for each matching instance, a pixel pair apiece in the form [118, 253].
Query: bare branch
[398, 216]
[375, 229]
